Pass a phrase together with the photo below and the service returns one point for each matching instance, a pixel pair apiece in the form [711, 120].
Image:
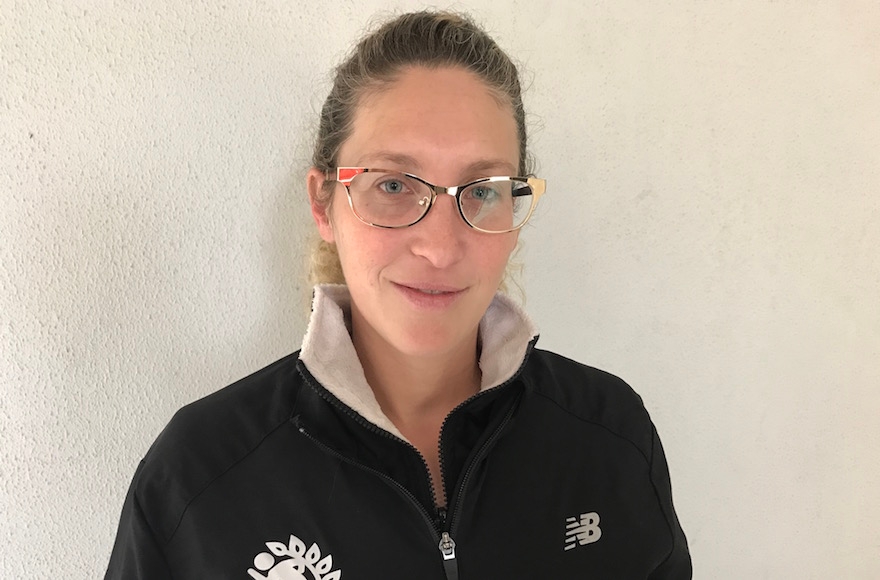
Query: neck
[417, 390]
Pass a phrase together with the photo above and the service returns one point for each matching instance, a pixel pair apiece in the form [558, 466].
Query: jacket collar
[506, 334]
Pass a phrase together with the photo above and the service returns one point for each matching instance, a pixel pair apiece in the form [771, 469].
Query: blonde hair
[427, 39]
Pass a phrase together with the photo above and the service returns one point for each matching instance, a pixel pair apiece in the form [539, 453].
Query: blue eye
[392, 186]
[483, 193]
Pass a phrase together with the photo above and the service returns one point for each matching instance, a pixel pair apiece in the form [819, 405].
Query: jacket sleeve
[677, 565]
[137, 553]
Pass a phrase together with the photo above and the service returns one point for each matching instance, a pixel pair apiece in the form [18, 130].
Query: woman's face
[422, 290]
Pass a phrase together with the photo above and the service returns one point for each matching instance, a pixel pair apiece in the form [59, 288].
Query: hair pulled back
[428, 39]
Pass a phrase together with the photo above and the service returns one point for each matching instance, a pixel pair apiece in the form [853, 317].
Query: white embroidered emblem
[583, 530]
[293, 562]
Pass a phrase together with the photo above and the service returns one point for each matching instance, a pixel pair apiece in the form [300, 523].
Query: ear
[320, 211]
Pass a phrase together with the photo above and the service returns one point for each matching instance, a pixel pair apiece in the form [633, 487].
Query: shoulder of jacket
[594, 396]
[207, 438]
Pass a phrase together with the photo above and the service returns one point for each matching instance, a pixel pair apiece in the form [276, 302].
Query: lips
[429, 295]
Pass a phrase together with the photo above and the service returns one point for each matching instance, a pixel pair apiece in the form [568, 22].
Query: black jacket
[555, 472]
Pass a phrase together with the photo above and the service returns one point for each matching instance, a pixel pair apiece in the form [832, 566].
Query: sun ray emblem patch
[292, 561]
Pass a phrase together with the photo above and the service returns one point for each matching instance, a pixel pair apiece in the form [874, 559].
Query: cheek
[362, 251]
[494, 257]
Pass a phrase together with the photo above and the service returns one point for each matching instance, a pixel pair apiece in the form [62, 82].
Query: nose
[440, 236]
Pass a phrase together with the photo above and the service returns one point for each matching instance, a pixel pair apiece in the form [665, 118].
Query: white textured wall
[710, 233]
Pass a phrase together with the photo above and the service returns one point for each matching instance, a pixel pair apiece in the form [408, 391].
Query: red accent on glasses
[346, 174]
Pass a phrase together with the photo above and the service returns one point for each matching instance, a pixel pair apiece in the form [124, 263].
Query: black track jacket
[553, 470]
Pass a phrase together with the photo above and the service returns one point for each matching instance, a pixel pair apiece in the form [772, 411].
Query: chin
[426, 341]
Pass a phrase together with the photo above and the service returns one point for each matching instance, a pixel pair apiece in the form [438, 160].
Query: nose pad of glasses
[424, 201]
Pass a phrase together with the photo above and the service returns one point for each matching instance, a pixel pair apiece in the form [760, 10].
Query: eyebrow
[482, 166]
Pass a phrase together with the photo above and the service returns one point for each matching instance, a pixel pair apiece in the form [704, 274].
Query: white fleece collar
[328, 353]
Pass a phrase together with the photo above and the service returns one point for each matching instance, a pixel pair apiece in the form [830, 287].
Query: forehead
[436, 118]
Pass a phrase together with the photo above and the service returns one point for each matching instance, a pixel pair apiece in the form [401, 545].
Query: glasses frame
[345, 175]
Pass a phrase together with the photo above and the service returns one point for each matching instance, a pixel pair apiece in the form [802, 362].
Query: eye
[483, 193]
[392, 186]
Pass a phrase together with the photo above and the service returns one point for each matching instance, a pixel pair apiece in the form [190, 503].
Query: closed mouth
[431, 289]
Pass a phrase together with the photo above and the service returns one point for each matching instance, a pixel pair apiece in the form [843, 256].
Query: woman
[418, 433]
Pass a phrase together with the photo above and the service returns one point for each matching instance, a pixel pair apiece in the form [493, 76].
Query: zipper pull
[447, 548]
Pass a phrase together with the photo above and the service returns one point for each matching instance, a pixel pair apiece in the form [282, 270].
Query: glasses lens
[497, 205]
[388, 199]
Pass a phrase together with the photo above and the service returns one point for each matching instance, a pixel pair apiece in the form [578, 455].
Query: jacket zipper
[469, 469]
[393, 483]
[445, 543]
[495, 434]
[447, 519]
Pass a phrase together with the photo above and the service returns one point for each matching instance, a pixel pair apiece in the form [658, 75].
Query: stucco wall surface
[710, 233]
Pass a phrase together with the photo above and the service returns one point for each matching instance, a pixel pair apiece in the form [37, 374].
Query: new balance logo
[582, 530]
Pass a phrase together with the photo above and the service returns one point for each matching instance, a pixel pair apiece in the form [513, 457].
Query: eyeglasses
[393, 199]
